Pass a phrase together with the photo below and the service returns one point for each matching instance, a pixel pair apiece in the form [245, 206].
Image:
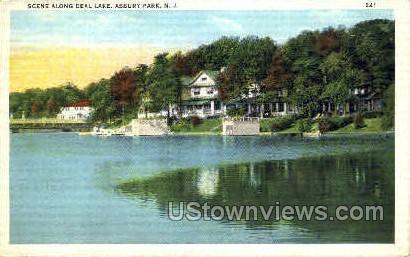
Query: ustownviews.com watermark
[203, 211]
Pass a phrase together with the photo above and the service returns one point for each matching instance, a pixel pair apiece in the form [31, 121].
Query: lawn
[372, 125]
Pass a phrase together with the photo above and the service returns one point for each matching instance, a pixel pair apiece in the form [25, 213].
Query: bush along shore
[368, 122]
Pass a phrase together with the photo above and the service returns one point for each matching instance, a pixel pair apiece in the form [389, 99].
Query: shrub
[304, 125]
[195, 120]
[372, 114]
[324, 125]
[359, 121]
[333, 123]
[337, 122]
[282, 123]
[235, 112]
[182, 125]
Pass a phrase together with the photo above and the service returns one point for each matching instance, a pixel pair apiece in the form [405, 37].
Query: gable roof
[186, 80]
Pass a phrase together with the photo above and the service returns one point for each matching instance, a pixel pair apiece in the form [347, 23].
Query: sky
[49, 48]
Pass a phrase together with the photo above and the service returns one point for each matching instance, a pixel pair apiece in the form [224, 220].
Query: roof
[81, 103]
[211, 73]
[186, 80]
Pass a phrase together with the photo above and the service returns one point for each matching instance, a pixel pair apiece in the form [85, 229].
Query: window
[203, 78]
[196, 91]
[210, 91]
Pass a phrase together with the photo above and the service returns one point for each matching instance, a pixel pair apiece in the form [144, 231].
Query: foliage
[279, 74]
[324, 125]
[247, 65]
[164, 86]
[340, 121]
[359, 120]
[388, 118]
[43, 102]
[195, 120]
[101, 100]
[333, 123]
[235, 112]
[304, 125]
[372, 114]
[276, 124]
[339, 78]
[208, 125]
[371, 46]
[371, 125]
[183, 125]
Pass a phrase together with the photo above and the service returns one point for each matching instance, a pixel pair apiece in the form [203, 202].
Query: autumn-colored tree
[52, 107]
[328, 40]
[183, 64]
[279, 74]
[123, 88]
[35, 108]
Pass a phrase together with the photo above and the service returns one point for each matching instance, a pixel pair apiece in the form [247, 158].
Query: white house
[201, 95]
[80, 110]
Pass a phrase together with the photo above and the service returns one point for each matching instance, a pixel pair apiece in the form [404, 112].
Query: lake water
[67, 188]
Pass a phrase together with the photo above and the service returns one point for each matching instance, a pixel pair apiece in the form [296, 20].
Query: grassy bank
[371, 125]
[285, 124]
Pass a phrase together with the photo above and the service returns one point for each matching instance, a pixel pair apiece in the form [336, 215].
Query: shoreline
[199, 134]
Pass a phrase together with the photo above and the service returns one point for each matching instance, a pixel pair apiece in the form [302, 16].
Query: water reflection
[365, 179]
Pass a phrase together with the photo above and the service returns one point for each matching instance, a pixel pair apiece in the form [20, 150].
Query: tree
[307, 84]
[340, 78]
[52, 107]
[247, 65]
[123, 85]
[164, 86]
[71, 93]
[370, 44]
[279, 74]
[101, 101]
[328, 40]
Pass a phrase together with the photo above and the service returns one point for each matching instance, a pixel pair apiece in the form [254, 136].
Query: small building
[367, 100]
[200, 96]
[80, 110]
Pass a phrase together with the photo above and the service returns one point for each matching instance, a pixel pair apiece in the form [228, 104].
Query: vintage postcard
[204, 128]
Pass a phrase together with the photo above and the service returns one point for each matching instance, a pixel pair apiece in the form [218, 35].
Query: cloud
[225, 23]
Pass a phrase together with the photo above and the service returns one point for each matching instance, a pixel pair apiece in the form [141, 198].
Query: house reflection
[207, 181]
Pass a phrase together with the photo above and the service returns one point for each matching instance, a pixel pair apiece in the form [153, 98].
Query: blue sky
[171, 29]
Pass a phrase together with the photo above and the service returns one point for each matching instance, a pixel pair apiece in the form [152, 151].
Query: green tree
[370, 44]
[164, 86]
[340, 78]
[102, 101]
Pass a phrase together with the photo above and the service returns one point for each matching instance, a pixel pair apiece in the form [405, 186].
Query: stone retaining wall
[149, 127]
[240, 126]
